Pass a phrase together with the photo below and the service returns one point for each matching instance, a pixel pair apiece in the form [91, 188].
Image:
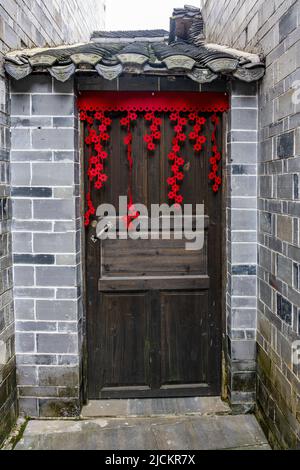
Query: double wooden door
[154, 308]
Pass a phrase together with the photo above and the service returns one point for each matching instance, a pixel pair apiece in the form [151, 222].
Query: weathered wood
[154, 309]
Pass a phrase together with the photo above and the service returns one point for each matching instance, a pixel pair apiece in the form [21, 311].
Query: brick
[20, 139]
[31, 192]
[52, 174]
[57, 343]
[25, 343]
[20, 105]
[22, 209]
[56, 310]
[243, 220]
[30, 155]
[58, 376]
[285, 228]
[40, 83]
[53, 105]
[243, 350]
[285, 145]
[22, 242]
[23, 276]
[54, 242]
[33, 259]
[56, 139]
[24, 309]
[243, 119]
[20, 174]
[287, 24]
[60, 209]
[55, 276]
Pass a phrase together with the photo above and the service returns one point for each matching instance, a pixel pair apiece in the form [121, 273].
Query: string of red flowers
[152, 138]
[196, 136]
[127, 123]
[216, 158]
[96, 141]
[175, 158]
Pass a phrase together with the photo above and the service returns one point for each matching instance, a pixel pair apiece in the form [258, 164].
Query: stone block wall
[273, 28]
[46, 241]
[27, 23]
[241, 234]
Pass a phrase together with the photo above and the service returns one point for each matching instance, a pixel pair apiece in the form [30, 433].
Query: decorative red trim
[181, 107]
[153, 101]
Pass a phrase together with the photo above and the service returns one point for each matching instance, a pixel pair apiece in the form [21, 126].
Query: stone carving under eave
[223, 65]
[42, 60]
[202, 75]
[109, 72]
[18, 71]
[91, 59]
[129, 59]
[62, 73]
[179, 62]
[249, 75]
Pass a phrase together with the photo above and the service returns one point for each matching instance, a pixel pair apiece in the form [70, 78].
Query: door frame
[146, 84]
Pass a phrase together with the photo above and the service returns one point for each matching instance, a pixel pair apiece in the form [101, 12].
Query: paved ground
[193, 424]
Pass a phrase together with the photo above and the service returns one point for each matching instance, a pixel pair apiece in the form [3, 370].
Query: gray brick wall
[30, 23]
[273, 28]
[46, 243]
[241, 211]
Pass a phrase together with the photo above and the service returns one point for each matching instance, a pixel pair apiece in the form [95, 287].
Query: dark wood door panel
[124, 342]
[184, 338]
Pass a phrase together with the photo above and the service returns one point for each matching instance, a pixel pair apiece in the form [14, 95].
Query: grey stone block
[285, 188]
[54, 242]
[25, 343]
[60, 310]
[30, 155]
[243, 220]
[56, 276]
[49, 139]
[243, 350]
[35, 326]
[286, 145]
[287, 23]
[20, 105]
[40, 83]
[245, 119]
[24, 309]
[56, 209]
[52, 174]
[20, 174]
[53, 105]
[31, 121]
[22, 242]
[20, 139]
[243, 253]
[23, 276]
[28, 407]
[244, 286]
[58, 376]
[285, 269]
[57, 343]
[240, 153]
[244, 186]
[21, 209]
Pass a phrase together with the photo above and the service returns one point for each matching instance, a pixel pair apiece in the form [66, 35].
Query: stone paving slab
[155, 433]
[155, 407]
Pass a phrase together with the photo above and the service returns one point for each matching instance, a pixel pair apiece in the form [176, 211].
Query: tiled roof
[180, 52]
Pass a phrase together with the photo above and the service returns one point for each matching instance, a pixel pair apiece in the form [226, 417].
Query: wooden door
[154, 309]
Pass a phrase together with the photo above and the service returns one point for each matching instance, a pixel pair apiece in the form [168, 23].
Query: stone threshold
[155, 407]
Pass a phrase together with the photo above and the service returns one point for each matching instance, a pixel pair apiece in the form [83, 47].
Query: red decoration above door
[183, 108]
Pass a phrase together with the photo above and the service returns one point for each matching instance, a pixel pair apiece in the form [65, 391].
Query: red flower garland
[155, 135]
[96, 174]
[216, 158]
[94, 109]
